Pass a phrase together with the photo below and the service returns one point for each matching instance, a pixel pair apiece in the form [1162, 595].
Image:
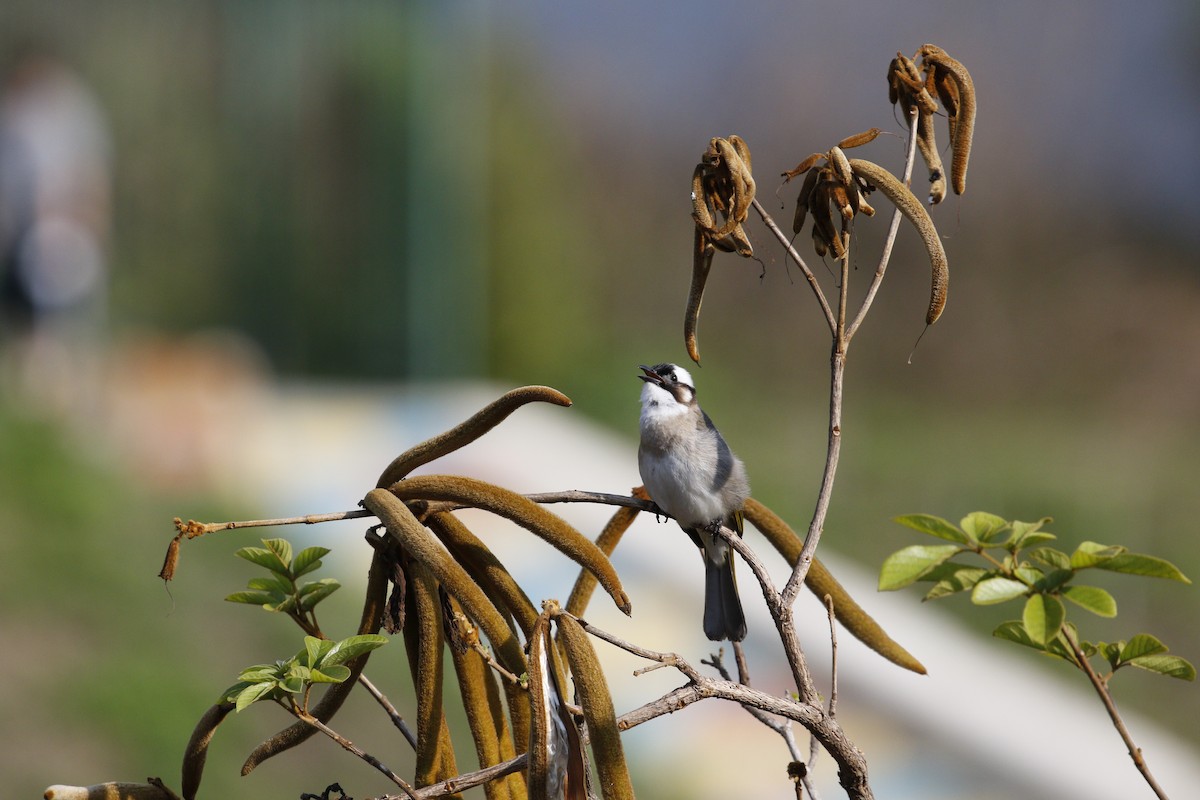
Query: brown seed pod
[463, 434]
[859, 139]
[820, 582]
[806, 188]
[521, 510]
[591, 687]
[964, 118]
[702, 257]
[915, 213]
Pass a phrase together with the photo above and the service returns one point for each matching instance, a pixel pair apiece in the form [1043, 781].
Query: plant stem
[1101, 688]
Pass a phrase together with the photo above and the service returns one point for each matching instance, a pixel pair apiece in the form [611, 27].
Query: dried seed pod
[425, 643]
[820, 582]
[964, 118]
[485, 714]
[196, 752]
[555, 752]
[484, 568]
[607, 541]
[911, 208]
[463, 434]
[927, 144]
[592, 690]
[859, 139]
[803, 167]
[806, 188]
[840, 166]
[702, 257]
[521, 510]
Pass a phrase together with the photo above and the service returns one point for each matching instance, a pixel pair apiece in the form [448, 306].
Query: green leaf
[908, 565]
[934, 526]
[315, 649]
[997, 590]
[259, 673]
[253, 598]
[1028, 534]
[314, 592]
[1171, 666]
[308, 560]
[333, 674]
[1014, 631]
[1092, 554]
[1029, 574]
[982, 526]
[253, 693]
[263, 558]
[282, 549]
[271, 583]
[1053, 579]
[352, 647]
[952, 579]
[1143, 644]
[1136, 564]
[1111, 652]
[294, 684]
[1093, 598]
[1043, 617]
[1051, 557]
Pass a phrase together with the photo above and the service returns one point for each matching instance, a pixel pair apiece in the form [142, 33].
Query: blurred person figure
[54, 226]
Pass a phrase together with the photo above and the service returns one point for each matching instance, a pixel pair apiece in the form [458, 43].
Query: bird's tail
[723, 616]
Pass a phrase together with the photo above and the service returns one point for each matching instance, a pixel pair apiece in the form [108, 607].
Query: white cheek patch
[683, 376]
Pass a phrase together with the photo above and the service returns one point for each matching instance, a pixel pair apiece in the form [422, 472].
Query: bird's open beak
[651, 376]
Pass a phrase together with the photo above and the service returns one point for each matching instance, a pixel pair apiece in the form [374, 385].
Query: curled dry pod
[463, 434]
[592, 691]
[374, 608]
[927, 144]
[741, 182]
[607, 541]
[702, 256]
[485, 714]
[911, 208]
[964, 119]
[819, 207]
[196, 752]
[806, 189]
[486, 570]
[859, 139]
[820, 582]
[700, 206]
[425, 643]
[521, 510]
[556, 767]
[422, 546]
[840, 167]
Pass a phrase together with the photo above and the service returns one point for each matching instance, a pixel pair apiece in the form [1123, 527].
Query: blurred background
[224, 218]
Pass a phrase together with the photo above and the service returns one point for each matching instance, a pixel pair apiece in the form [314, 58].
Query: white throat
[658, 404]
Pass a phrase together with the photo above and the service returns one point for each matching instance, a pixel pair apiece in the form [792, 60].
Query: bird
[691, 474]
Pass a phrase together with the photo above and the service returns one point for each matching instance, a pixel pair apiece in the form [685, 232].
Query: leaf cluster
[995, 561]
[321, 661]
[281, 590]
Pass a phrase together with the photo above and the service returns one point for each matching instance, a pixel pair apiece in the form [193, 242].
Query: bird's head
[668, 385]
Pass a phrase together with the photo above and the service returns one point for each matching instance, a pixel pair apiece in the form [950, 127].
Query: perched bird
[691, 474]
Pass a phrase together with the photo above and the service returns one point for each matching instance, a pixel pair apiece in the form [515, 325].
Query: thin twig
[387, 706]
[192, 528]
[886, 253]
[350, 747]
[791, 252]
[1101, 688]
[467, 780]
